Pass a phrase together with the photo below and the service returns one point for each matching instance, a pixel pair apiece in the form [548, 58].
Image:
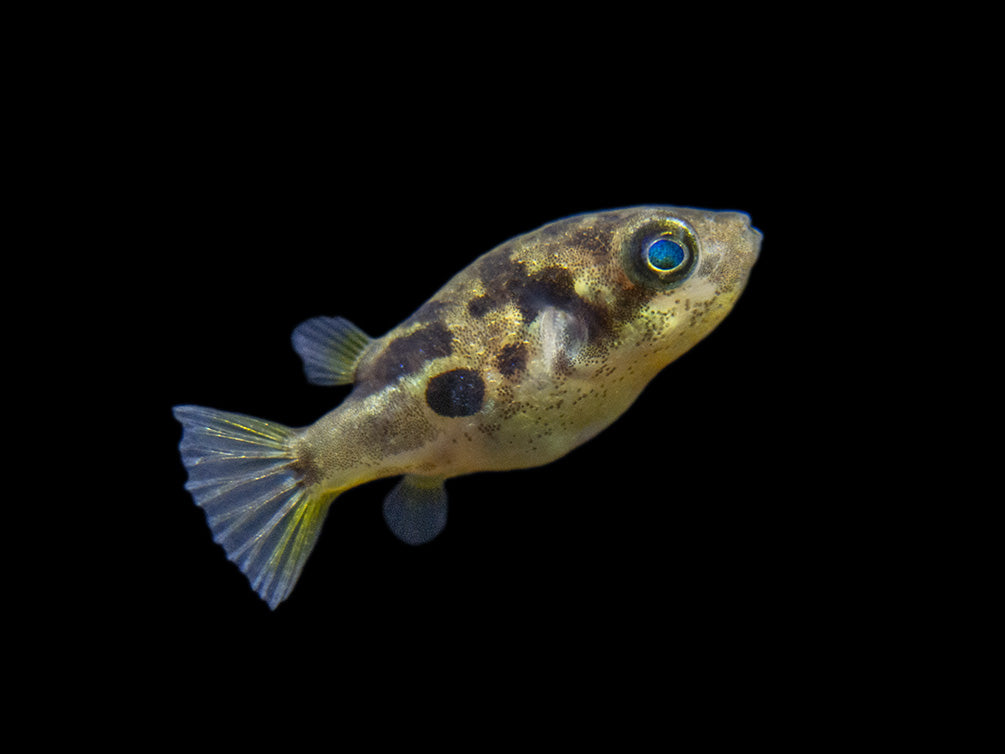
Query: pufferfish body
[528, 352]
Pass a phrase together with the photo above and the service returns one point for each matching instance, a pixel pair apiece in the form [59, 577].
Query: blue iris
[665, 254]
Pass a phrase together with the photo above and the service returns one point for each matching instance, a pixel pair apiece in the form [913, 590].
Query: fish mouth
[747, 232]
[753, 236]
[756, 237]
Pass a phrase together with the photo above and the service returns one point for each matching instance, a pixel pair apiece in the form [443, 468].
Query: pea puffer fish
[530, 351]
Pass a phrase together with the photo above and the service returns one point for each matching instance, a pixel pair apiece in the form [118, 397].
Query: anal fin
[416, 509]
[331, 348]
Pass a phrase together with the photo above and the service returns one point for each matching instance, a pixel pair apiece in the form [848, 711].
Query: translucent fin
[241, 472]
[416, 509]
[331, 348]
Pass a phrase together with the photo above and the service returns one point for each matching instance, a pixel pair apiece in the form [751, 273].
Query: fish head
[681, 271]
[634, 287]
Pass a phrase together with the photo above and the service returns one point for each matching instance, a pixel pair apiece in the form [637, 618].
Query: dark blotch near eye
[459, 392]
[511, 359]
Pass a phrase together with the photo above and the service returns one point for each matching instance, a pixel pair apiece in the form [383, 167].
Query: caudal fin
[242, 472]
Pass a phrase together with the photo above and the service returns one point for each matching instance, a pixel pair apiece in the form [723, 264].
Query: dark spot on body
[496, 266]
[550, 287]
[479, 307]
[407, 354]
[555, 287]
[404, 356]
[459, 392]
[512, 359]
[629, 302]
[506, 281]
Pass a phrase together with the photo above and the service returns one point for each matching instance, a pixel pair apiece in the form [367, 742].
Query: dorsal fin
[331, 348]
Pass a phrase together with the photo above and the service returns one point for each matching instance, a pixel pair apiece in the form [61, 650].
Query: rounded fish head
[717, 252]
[651, 281]
[687, 268]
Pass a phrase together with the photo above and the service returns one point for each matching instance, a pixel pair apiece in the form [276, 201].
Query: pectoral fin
[416, 509]
[331, 348]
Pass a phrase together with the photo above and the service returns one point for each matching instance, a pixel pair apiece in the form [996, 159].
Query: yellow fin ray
[242, 473]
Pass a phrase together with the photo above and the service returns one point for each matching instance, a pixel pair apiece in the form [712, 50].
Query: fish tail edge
[245, 474]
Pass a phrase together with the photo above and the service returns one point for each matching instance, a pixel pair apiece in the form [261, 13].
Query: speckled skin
[528, 352]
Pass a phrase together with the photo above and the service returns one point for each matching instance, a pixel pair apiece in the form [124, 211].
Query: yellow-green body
[531, 350]
[549, 322]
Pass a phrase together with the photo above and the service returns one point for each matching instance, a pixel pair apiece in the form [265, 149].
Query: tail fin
[241, 471]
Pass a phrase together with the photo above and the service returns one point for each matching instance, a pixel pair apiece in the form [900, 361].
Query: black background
[688, 501]
[707, 517]
[744, 551]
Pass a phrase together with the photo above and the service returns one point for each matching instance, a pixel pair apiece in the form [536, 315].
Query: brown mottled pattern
[403, 356]
[559, 335]
[527, 353]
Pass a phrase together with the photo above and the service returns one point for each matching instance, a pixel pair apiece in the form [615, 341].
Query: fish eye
[660, 253]
[664, 255]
